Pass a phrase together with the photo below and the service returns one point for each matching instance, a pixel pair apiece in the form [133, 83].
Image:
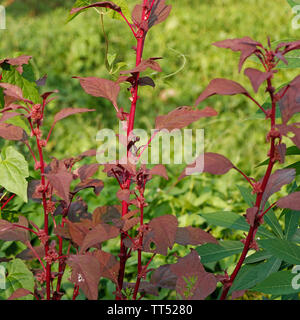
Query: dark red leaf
[161, 233]
[9, 232]
[289, 46]
[77, 210]
[292, 201]
[257, 77]
[222, 87]
[11, 132]
[277, 180]
[182, 117]
[19, 61]
[193, 282]
[280, 152]
[86, 274]
[146, 81]
[159, 13]
[28, 254]
[246, 45]
[96, 184]
[163, 277]
[42, 81]
[100, 233]
[251, 214]
[213, 163]
[79, 230]
[109, 266]
[159, 170]
[104, 88]
[12, 91]
[290, 103]
[193, 236]
[87, 171]
[106, 214]
[144, 65]
[61, 182]
[8, 115]
[101, 4]
[123, 195]
[64, 113]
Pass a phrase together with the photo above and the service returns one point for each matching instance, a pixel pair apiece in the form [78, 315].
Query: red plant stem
[36, 255]
[7, 201]
[75, 292]
[46, 219]
[140, 37]
[253, 229]
[137, 284]
[260, 107]
[244, 175]
[31, 151]
[25, 228]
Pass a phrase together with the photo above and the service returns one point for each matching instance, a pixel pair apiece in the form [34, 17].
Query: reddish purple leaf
[123, 195]
[193, 236]
[101, 4]
[19, 293]
[11, 132]
[100, 233]
[222, 87]
[182, 117]
[280, 152]
[290, 103]
[159, 170]
[64, 113]
[109, 266]
[106, 214]
[163, 277]
[292, 201]
[257, 77]
[159, 13]
[79, 230]
[289, 46]
[145, 287]
[28, 254]
[9, 232]
[146, 81]
[104, 88]
[214, 163]
[19, 61]
[8, 115]
[96, 184]
[144, 65]
[193, 282]
[250, 215]
[86, 274]
[246, 45]
[87, 171]
[12, 91]
[161, 234]
[277, 180]
[61, 182]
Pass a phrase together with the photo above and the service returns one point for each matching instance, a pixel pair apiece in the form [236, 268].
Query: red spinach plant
[81, 235]
[267, 270]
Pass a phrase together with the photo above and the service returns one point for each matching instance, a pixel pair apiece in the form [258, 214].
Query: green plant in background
[185, 198]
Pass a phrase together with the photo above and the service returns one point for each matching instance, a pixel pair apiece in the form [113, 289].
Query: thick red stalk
[140, 37]
[253, 229]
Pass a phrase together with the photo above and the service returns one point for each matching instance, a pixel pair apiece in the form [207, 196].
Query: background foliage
[61, 50]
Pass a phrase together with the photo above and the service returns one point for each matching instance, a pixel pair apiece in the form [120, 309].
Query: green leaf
[111, 58]
[277, 283]
[282, 249]
[258, 256]
[211, 252]
[293, 3]
[78, 4]
[13, 171]
[29, 88]
[19, 276]
[232, 220]
[296, 166]
[291, 223]
[250, 275]
[125, 10]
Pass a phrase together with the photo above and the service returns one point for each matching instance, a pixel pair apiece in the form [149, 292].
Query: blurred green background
[62, 50]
